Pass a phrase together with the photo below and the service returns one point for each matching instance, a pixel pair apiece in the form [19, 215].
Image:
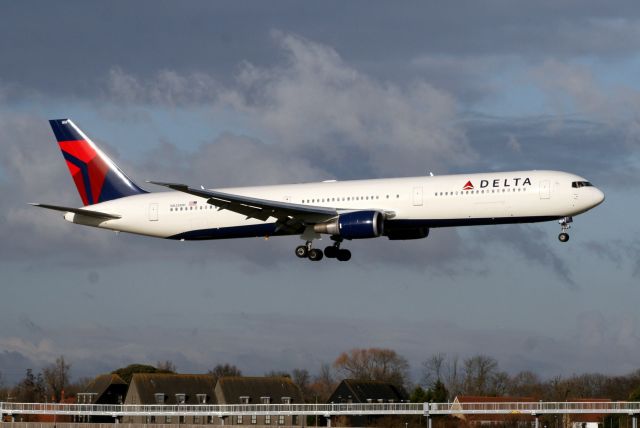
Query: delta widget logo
[468, 186]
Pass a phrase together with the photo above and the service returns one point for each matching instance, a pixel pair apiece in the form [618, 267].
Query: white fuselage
[431, 201]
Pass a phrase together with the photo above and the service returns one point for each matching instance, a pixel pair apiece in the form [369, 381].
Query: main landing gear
[564, 225]
[331, 252]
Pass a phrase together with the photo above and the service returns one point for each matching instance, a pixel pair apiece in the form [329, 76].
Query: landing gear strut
[335, 252]
[306, 251]
[564, 225]
[331, 252]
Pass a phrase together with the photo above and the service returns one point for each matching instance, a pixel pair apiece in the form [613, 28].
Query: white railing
[426, 409]
[212, 410]
[536, 408]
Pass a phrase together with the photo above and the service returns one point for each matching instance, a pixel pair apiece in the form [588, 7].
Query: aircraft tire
[331, 252]
[563, 237]
[344, 255]
[315, 255]
[302, 252]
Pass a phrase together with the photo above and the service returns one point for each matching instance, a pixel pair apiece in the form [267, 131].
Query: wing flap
[258, 208]
[80, 211]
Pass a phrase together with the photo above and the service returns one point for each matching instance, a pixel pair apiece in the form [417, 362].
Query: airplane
[395, 208]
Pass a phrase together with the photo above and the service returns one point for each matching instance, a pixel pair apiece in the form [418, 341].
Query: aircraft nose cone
[599, 196]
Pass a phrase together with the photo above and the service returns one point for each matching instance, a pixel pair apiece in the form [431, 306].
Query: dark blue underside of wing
[268, 229]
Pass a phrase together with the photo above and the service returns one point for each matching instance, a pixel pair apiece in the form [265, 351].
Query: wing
[80, 211]
[294, 217]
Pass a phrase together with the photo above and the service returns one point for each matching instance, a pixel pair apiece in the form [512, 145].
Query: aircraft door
[545, 189]
[153, 212]
[417, 196]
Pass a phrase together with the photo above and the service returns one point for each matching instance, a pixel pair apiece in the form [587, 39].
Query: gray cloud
[260, 343]
[530, 245]
[317, 91]
[202, 36]
[619, 252]
[586, 147]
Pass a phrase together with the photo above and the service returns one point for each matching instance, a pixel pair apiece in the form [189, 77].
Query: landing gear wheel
[315, 254]
[302, 251]
[565, 224]
[331, 252]
[344, 255]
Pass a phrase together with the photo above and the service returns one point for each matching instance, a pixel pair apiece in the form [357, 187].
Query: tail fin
[97, 177]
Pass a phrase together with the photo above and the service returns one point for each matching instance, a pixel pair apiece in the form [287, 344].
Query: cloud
[566, 143]
[572, 87]
[619, 252]
[322, 110]
[258, 343]
[531, 246]
[167, 88]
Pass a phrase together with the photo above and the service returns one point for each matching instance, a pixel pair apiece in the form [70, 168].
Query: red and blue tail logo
[97, 178]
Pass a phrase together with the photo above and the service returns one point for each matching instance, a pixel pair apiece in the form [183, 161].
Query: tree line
[442, 378]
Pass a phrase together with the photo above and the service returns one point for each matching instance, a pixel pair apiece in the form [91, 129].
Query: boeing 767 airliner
[398, 208]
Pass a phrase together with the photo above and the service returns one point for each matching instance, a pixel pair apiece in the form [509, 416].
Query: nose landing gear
[564, 225]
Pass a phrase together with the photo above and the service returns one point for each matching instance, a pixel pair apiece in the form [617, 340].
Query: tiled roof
[100, 384]
[232, 388]
[374, 390]
[149, 384]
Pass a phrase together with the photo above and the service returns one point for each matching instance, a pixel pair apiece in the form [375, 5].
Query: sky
[234, 93]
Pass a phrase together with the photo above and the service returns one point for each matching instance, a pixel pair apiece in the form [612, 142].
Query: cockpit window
[578, 184]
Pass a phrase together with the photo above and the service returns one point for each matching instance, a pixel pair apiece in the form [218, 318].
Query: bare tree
[166, 366]
[479, 372]
[302, 379]
[323, 384]
[442, 368]
[525, 384]
[374, 364]
[4, 391]
[433, 369]
[221, 370]
[499, 383]
[277, 373]
[56, 377]
[31, 388]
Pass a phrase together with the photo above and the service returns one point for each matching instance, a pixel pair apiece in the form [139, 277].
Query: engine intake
[354, 225]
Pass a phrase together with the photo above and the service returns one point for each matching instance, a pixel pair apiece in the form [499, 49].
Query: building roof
[232, 388]
[363, 390]
[100, 384]
[149, 384]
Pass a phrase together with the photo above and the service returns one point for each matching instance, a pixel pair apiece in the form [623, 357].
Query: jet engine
[354, 225]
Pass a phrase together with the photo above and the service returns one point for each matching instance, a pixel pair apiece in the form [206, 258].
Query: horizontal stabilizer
[80, 211]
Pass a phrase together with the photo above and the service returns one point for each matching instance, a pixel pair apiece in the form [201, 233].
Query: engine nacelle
[402, 234]
[354, 225]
